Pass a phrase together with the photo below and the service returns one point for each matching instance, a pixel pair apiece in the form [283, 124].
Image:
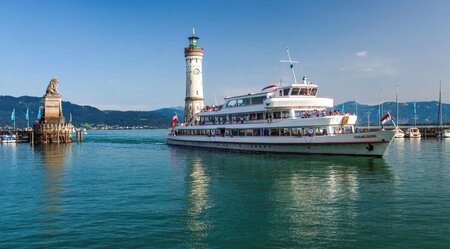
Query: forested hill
[86, 116]
[426, 112]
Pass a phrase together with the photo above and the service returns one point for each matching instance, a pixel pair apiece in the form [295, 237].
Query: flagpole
[379, 115]
[13, 118]
[27, 116]
[393, 122]
[382, 105]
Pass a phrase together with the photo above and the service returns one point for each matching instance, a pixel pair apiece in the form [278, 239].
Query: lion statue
[52, 88]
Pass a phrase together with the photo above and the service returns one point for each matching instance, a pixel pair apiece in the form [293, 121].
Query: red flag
[174, 120]
[386, 118]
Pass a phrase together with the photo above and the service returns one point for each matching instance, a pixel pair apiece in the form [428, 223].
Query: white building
[194, 102]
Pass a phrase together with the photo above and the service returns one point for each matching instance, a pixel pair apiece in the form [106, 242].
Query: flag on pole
[27, 115]
[174, 120]
[39, 115]
[386, 118]
[13, 115]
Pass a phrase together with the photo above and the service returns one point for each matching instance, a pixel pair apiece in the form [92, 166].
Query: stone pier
[52, 128]
[53, 133]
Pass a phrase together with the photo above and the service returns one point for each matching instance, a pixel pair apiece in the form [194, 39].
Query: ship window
[231, 103]
[285, 132]
[286, 114]
[276, 115]
[314, 91]
[260, 115]
[304, 91]
[258, 100]
[286, 91]
[274, 132]
[249, 132]
[295, 91]
[348, 129]
[234, 132]
[241, 133]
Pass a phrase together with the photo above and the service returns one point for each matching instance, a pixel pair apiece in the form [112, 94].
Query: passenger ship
[287, 119]
[284, 119]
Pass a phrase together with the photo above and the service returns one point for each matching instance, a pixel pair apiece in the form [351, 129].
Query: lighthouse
[194, 102]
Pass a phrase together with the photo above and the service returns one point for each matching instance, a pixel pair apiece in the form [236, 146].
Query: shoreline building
[194, 102]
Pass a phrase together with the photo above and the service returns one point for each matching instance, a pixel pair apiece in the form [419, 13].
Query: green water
[127, 189]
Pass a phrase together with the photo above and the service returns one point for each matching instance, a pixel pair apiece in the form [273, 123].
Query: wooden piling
[79, 135]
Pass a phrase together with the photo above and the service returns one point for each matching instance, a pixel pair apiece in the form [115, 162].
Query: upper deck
[273, 98]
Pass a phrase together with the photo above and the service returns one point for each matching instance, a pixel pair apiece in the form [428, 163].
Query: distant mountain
[85, 116]
[88, 116]
[427, 112]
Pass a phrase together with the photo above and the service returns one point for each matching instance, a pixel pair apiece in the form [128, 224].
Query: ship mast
[440, 110]
[291, 64]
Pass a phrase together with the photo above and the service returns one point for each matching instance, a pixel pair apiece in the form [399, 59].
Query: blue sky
[128, 55]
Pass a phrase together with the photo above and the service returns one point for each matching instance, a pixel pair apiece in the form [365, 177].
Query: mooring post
[31, 135]
[79, 134]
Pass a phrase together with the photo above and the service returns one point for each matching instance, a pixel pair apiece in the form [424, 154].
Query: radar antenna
[291, 64]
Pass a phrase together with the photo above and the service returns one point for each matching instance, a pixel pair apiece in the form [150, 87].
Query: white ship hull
[8, 139]
[399, 133]
[363, 144]
[447, 133]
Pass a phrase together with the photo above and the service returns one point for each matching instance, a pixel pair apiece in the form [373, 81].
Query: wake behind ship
[282, 119]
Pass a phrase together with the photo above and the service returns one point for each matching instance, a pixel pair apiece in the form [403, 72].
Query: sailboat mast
[396, 103]
[440, 108]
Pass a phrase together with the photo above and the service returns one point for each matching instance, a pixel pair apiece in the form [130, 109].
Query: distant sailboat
[400, 133]
[447, 133]
[441, 131]
[414, 132]
[8, 138]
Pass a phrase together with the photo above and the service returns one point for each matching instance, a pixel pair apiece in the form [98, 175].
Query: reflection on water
[136, 195]
[54, 156]
[9, 150]
[197, 202]
[284, 192]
